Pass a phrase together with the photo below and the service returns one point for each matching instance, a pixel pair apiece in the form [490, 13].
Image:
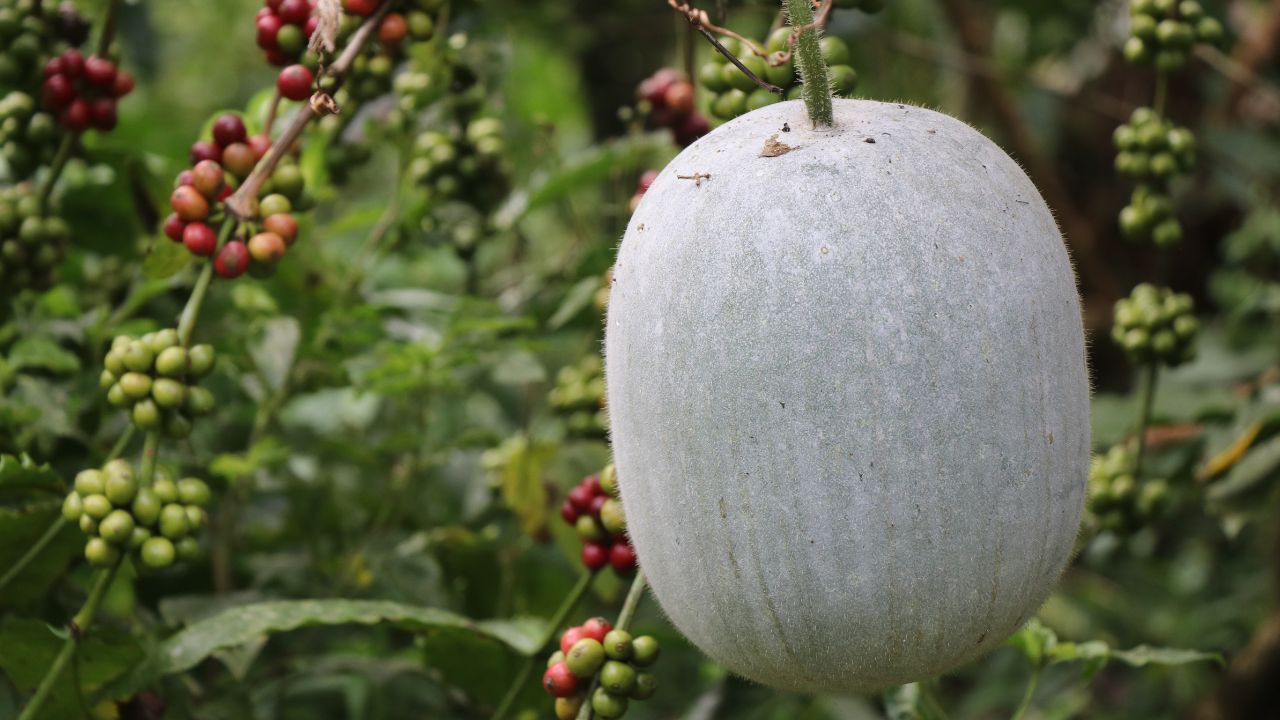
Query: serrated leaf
[1148, 655]
[245, 624]
[164, 259]
[42, 353]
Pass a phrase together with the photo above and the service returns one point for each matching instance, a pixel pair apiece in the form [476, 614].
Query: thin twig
[243, 204]
[736, 62]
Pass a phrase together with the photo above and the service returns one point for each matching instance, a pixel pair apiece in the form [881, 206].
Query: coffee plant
[305, 410]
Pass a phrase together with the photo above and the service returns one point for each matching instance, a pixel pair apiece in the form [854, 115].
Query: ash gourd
[848, 395]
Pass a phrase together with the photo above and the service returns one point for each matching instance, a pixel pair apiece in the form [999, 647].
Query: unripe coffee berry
[96, 506]
[199, 401]
[172, 362]
[193, 491]
[645, 651]
[146, 414]
[135, 385]
[72, 507]
[139, 537]
[617, 645]
[116, 527]
[100, 553]
[612, 517]
[200, 359]
[557, 656]
[166, 490]
[567, 708]
[617, 677]
[646, 686]
[121, 489]
[138, 357]
[589, 530]
[173, 521]
[608, 705]
[559, 681]
[188, 548]
[609, 480]
[274, 204]
[585, 657]
[158, 552]
[168, 393]
[90, 482]
[146, 506]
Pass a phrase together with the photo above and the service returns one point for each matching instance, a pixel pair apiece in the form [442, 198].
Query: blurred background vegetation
[402, 412]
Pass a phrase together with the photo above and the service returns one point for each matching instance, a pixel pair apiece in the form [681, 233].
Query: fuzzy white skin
[848, 396]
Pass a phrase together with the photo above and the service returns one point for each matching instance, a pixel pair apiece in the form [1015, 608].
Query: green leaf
[578, 297]
[588, 168]
[517, 469]
[1034, 640]
[28, 647]
[22, 473]
[42, 353]
[1146, 655]
[164, 259]
[245, 624]
[19, 531]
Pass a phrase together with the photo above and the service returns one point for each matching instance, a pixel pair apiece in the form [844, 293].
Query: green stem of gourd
[816, 88]
[638, 586]
[1144, 419]
[570, 602]
[79, 626]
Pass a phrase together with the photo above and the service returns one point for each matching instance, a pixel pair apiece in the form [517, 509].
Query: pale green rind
[848, 395]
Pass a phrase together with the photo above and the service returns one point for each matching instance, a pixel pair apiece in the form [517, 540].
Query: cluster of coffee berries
[1161, 32]
[158, 521]
[29, 33]
[371, 73]
[1153, 151]
[595, 512]
[154, 376]
[595, 649]
[84, 91]
[1156, 325]
[735, 94]
[284, 29]
[31, 245]
[28, 137]
[667, 98]
[1118, 501]
[578, 396]
[464, 164]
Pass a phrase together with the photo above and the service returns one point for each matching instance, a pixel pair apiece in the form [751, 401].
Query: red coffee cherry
[266, 247]
[294, 12]
[596, 628]
[58, 92]
[679, 97]
[229, 128]
[100, 71]
[567, 511]
[207, 178]
[205, 150]
[310, 28]
[592, 484]
[173, 227]
[559, 681]
[232, 260]
[73, 62]
[622, 557]
[569, 637]
[54, 67]
[200, 239]
[102, 113]
[364, 8]
[595, 555]
[268, 29]
[184, 178]
[580, 496]
[123, 84]
[260, 144]
[393, 29]
[282, 224]
[189, 203]
[295, 82]
[239, 158]
[76, 116]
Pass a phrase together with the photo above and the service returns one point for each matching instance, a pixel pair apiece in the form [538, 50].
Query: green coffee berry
[645, 651]
[618, 645]
[169, 393]
[585, 657]
[188, 548]
[608, 705]
[96, 506]
[200, 359]
[609, 480]
[177, 425]
[612, 517]
[162, 340]
[100, 553]
[146, 414]
[158, 552]
[138, 357]
[172, 362]
[193, 491]
[72, 507]
[196, 517]
[173, 521]
[617, 677]
[90, 482]
[117, 527]
[166, 490]
[556, 657]
[146, 506]
[135, 385]
[646, 686]
[139, 536]
[199, 401]
[88, 525]
[589, 530]
[120, 488]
